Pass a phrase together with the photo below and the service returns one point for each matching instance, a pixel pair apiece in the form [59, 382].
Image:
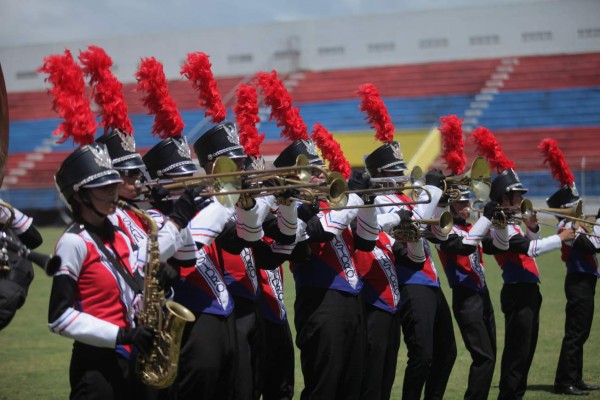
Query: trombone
[227, 183]
[478, 179]
[574, 214]
[392, 185]
[411, 231]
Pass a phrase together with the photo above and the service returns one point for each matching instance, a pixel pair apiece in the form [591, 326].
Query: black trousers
[279, 362]
[521, 303]
[208, 359]
[474, 315]
[249, 328]
[330, 330]
[381, 356]
[429, 337]
[101, 374]
[580, 290]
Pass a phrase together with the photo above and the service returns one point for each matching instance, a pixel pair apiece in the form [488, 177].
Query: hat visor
[104, 181]
[132, 163]
[184, 169]
[234, 154]
[396, 167]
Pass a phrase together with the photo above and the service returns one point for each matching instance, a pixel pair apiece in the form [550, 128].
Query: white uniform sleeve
[336, 221]
[427, 210]
[478, 231]
[500, 238]
[72, 323]
[367, 226]
[388, 221]
[287, 219]
[248, 223]
[209, 222]
[416, 251]
[169, 236]
[541, 246]
[435, 228]
[529, 234]
[20, 223]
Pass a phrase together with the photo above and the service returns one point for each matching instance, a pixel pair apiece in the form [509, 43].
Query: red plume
[331, 150]
[377, 114]
[280, 101]
[197, 70]
[152, 81]
[106, 88]
[246, 111]
[69, 99]
[558, 164]
[453, 143]
[488, 146]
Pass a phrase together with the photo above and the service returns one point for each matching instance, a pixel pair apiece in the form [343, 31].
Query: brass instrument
[411, 231]
[574, 214]
[478, 179]
[227, 183]
[391, 185]
[158, 368]
[49, 263]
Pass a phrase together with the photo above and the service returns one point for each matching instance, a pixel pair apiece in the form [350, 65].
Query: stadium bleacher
[540, 96]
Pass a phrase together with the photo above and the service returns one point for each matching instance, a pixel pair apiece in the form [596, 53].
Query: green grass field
[34, 363]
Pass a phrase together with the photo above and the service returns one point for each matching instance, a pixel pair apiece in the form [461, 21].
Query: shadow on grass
[541, 388]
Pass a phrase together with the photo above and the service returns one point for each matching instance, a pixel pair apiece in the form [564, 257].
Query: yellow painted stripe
[357, 145]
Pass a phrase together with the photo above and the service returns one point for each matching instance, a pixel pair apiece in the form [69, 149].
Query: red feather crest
[488, 146]
[453, 143]
[558, 164]
[377, 113]
[246, 111]
[331, 150]
[69, 101]
[152, 81]
[106, 88]
[277, 97]
[197, 69]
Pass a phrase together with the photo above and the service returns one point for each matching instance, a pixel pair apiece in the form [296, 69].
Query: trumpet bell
[446, 222]
[226, 184]
[337, 192]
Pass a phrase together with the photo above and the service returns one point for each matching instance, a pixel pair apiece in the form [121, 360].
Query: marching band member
[423, 310]
[520, 297]
[462, 258]
[580, 281]
[95, 290]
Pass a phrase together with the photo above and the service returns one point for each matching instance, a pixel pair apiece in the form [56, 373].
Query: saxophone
[158, 368]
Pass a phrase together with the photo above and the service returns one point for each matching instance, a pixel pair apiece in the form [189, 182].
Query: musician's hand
[567, 234]
[167, 276]
[307, 211]
[435, 177]
[359, 180]
[158, 193]
[489, 210]
[405, 215]
[142, 337]
[185, 208]
[246, 202]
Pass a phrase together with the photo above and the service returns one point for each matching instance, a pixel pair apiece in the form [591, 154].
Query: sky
[31, 22]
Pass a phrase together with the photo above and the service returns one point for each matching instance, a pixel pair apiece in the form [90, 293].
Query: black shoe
[569, 389]
[584, 386]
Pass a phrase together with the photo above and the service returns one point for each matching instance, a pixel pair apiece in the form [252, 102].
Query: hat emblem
[182, 148]
[396, 151]
[310, 148]
[258, 163]
[127, 141]
[232, 134]
[101, 156]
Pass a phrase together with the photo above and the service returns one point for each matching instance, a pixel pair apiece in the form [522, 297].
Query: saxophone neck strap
[117, 265]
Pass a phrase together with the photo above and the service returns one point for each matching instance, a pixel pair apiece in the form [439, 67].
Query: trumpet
[411, 231]
[478, 179]
[574, 214]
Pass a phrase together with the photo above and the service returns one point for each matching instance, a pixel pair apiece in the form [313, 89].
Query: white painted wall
[564, 26]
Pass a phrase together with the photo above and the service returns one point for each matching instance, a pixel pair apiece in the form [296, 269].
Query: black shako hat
[564, 197]
[506, 181]
[169, 157]
[220, 140]
[288, 156]
[89, 166]
[121, 148]
[387, 157]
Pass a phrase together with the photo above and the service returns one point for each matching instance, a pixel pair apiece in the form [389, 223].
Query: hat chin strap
[85, 198]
